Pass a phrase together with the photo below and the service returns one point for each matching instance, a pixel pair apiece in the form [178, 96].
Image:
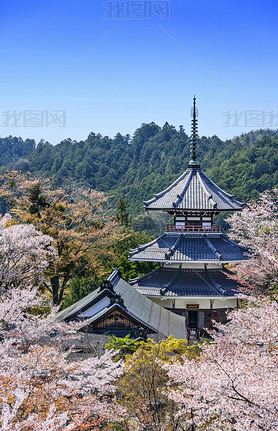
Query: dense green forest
[139, 166]
[14, 149]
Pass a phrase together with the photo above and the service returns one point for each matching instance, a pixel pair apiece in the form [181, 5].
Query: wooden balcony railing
[174, 228]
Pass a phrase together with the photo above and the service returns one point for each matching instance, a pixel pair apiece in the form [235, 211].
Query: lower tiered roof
[181, 247]
[174, 282]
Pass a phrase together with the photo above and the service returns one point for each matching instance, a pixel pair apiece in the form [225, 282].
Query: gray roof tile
[171, 282]
[182, 247]
[193, 190]
[159, 319]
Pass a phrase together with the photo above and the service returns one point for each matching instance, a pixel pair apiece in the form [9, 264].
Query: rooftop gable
[132, 302]
[193, 191]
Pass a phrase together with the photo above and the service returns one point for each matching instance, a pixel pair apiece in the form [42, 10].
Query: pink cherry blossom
[233, 385]
[256, 227]
[41, 386]
[24, 255]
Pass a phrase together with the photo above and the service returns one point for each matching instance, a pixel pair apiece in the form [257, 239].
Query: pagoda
[193, 279]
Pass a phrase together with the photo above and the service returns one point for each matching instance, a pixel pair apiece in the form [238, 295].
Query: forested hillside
[12, 149]
[136, 168]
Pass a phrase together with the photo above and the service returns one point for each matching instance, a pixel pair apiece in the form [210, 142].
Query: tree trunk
[55, 289]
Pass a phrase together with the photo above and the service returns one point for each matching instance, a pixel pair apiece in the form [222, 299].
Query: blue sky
[112, 74]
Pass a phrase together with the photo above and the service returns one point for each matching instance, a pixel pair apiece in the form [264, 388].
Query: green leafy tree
[144, 223]
[138, 167]
[124, 346]
[76, 219]
[12, 149]
[122, 215]
[142, 389]
[121, 248]
[80, 287]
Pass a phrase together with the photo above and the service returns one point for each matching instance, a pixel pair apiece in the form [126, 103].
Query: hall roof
[193, 191]
[116, 292]
[174, 282]
[182, 247]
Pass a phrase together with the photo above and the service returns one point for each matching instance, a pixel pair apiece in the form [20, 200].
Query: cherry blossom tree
[42, 386]
[141, 389]
[256, 227]
[24, 255]
[38, 383]
[233, 384]
[78, 219]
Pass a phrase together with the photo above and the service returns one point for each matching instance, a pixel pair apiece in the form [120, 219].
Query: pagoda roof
[193, 191]
[183, 247]
[173, 282]
[129, 301]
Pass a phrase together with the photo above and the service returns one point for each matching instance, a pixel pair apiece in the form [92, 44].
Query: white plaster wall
[225, 303]
[166, 303]
[193, 265]
[204, 303]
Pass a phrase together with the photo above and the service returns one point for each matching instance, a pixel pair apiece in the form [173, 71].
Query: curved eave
[142, 247]
[168, 189]
[228, 195]
[212, 210]
[220, 262]
[217, 199]
[163, 298]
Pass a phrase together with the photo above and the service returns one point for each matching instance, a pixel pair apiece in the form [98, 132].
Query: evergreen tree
[122, 216]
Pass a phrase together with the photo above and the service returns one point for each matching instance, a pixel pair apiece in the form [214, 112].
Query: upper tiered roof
[193, 190]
